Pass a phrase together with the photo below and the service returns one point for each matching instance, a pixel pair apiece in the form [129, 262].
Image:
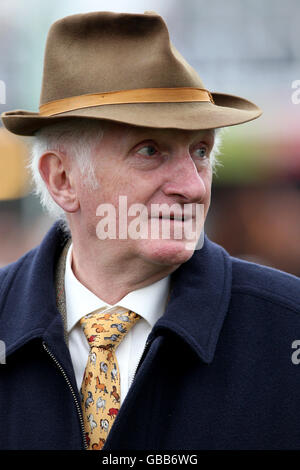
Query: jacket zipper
[146, 348]
[71, 389]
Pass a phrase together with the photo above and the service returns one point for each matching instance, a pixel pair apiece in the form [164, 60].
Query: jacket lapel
[60, 287]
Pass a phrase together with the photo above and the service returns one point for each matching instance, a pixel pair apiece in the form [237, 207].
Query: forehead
[129, 133]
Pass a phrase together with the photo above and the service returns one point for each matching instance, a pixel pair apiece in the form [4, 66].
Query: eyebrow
[156, 135]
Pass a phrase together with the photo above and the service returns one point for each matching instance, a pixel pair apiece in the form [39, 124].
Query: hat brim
[228, 110]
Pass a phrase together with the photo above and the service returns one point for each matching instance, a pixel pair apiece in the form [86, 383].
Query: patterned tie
[100, 389]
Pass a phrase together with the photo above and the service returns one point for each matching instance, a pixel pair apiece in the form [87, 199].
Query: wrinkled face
[167, 172]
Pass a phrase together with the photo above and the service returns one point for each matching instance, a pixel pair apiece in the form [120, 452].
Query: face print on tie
[101, 388]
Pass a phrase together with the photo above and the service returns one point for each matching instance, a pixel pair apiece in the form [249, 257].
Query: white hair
[77, 138]
[216, 150]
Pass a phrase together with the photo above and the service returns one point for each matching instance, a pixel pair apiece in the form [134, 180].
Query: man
[205, 360]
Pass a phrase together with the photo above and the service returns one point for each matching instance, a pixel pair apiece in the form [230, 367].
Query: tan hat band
[142, 95]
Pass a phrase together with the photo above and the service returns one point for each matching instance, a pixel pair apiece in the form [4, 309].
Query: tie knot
[106, 328]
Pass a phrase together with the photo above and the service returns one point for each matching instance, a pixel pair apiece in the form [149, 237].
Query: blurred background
[244, 47]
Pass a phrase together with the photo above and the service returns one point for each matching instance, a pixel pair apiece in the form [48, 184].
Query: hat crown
[103, 51]
[123, 68]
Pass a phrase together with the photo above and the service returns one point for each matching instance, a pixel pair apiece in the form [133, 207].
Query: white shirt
[149, 302]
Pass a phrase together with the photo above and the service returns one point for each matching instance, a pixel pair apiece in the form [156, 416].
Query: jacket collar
[28, 298]
[196, 309]
[200, 296]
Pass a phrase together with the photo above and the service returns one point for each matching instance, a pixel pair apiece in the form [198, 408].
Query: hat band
[141, 95]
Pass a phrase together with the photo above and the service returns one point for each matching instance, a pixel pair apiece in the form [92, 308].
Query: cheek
[137, 188]
[109, 192]
[209, 175]
[207, 180]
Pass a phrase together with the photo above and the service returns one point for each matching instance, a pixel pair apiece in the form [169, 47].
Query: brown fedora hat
[122, 67]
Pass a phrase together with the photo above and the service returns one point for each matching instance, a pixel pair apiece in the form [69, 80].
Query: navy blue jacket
[217, 372]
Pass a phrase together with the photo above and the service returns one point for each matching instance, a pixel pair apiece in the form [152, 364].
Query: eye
[201, 152]
[147, 150]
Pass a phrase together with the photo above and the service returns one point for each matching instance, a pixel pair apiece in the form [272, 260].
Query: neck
[112, 274]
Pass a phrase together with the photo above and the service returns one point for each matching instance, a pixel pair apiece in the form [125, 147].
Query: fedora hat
[122, 67]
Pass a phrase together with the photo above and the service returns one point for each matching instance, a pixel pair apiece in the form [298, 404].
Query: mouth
[174, 217]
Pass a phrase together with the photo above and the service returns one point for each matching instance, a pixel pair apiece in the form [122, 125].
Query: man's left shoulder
[266, 282]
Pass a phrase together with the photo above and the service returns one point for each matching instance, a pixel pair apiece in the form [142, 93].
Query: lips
[180, 217]
[175, 212]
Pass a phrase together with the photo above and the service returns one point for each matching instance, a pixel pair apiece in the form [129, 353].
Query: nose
[185, 182]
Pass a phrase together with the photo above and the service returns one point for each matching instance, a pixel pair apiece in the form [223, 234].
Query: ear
[57, 174]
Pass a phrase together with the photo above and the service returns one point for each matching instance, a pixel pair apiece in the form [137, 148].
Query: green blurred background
[244, 47]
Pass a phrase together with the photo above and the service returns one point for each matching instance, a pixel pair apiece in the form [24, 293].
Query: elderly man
[116, 338]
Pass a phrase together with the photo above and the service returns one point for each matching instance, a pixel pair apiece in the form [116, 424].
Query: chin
[167, 252]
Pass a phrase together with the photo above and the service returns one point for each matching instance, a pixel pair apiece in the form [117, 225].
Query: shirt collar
[149, 302]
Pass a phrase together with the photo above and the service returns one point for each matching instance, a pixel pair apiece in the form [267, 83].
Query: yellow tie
[100, 389]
